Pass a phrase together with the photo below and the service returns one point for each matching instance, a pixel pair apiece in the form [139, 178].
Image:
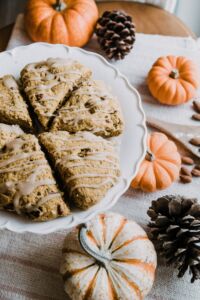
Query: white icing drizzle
[85, 158]
[71, 148]
[17, 157]
[92, 186]
[27, 166]
[11, 129]
[81, 136]
[41, 87]
[59, 62]
[96, 92]
[57, 78]
[88, 175]
[93, 156]
[47, 198]
[24, 188]
[74, 165]
[10, 82]
[39, 67]
[75, 109]
[72, 160]
[72, 114]
[15, 144]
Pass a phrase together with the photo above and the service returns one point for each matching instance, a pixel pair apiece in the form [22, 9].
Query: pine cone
[175, 228]
[116, 34]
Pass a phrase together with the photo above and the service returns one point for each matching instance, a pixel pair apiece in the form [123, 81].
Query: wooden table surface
[148, 19]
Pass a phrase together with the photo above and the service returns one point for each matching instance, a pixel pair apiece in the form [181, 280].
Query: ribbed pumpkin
[69, 22]
[173, 80]
[108, 258]
[161, 165]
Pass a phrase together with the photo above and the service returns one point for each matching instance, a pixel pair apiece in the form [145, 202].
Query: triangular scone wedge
[8, 133]
[13, 109]
[48, 83]
[27, 186]
[91, 108]
[88, 165]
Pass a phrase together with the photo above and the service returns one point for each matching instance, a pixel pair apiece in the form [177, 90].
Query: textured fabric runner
[29, 263]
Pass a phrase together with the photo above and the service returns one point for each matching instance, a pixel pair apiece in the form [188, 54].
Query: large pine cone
[175, 229]
[116, 34]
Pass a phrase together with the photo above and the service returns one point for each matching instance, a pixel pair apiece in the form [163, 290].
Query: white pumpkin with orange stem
[109, 257]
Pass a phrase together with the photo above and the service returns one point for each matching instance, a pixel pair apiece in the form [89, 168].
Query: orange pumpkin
[69, 22]
[161, 165]
[173, 80]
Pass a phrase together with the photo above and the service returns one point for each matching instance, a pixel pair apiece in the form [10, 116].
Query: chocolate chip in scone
[39, 96]
[34, 213]
[92, 110]
[113, 112]
[59, 210]
[87, 104]
[84, 152]
[9, 207]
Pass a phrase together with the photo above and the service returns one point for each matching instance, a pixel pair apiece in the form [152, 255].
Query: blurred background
[186, 10]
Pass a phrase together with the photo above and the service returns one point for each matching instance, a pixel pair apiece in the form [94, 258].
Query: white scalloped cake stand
[133, 140]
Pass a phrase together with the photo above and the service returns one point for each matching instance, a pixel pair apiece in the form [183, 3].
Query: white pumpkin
[109, 257]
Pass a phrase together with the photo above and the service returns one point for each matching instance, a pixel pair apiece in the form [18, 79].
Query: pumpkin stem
[174, 74]
[58, 5]
[149, 156]
[98, 255]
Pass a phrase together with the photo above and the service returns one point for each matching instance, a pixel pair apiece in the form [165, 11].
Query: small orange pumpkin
[161, 165]
[173, 80]
[69, 22]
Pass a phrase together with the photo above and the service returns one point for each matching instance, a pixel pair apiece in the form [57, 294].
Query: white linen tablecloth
[29, 263]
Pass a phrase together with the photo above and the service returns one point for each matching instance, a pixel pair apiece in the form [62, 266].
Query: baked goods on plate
[48, 83]
[13, 109]
[71, 159]
[8, 132]
[27, 186]
[88, 165]
[91, 107]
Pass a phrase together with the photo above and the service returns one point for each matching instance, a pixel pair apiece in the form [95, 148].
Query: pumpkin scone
[27, 186]
[13, 109]
[91, 108]
[47, 84]
[8, 132]
[88, 165]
